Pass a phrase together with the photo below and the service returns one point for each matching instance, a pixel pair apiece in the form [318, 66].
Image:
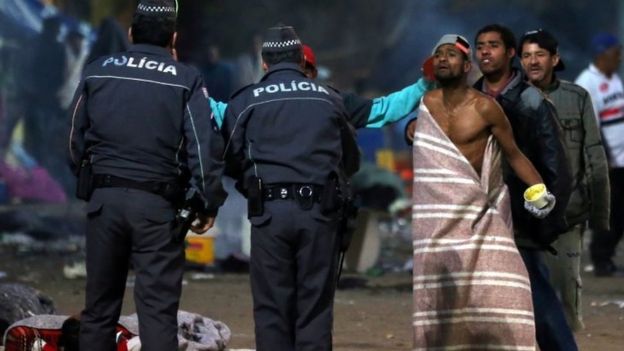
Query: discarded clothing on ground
[18, 301]
[50, 332]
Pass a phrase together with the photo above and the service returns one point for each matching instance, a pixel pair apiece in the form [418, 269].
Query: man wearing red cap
[471, 290]
[310, 62]
[536, 131]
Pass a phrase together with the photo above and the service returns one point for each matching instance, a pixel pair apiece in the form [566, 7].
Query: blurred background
[371, 47]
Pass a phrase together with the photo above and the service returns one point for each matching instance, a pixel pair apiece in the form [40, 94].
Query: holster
[337, 197]
[255, 201]
[187, 212]
[84, 186]
[331, 197]
[347, 225]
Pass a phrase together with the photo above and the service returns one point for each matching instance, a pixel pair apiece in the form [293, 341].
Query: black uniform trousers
[604, 243]
[293, 276]
[131, 226]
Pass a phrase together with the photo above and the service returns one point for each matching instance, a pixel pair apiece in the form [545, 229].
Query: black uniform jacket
[285, 129]
[143, 116]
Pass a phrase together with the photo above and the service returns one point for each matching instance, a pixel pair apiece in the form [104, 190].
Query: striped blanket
[471, 289]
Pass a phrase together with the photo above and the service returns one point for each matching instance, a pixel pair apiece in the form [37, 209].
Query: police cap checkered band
[280, 38]
[455, 39]
[158, 8]
[281, 44]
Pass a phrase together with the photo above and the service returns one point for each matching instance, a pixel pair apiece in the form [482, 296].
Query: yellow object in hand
[535, 195]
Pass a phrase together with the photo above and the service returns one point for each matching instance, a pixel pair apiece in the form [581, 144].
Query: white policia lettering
[293, 86]
[143, 63]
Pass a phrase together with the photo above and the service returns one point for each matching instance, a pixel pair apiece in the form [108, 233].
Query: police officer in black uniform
[139, 119]
[284, 147]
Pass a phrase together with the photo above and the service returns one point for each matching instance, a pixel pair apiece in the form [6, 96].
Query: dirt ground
[374, 317]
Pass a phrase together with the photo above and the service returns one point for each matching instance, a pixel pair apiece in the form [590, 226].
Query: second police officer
[284, 141]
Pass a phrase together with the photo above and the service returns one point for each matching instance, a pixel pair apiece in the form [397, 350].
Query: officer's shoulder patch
[240, 91]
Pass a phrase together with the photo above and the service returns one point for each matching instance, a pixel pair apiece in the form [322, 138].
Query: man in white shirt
[604, 85]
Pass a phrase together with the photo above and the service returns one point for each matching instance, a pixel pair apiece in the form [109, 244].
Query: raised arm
[381, 111]
[394, 107]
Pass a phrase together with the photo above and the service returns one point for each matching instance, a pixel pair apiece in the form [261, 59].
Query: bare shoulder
[487, 106]
[432, 97]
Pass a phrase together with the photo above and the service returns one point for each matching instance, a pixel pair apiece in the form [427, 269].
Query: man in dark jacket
[285, 140]
[141, 120]
[536, 130]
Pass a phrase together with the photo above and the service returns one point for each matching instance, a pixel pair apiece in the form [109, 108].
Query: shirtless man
[471, 289]
[469, 117]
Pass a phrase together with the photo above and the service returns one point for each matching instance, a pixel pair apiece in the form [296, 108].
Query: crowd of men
[288, 141]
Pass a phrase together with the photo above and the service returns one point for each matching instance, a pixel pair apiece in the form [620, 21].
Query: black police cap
[281, 38]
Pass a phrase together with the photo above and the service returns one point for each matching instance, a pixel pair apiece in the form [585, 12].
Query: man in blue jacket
[362, 112]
